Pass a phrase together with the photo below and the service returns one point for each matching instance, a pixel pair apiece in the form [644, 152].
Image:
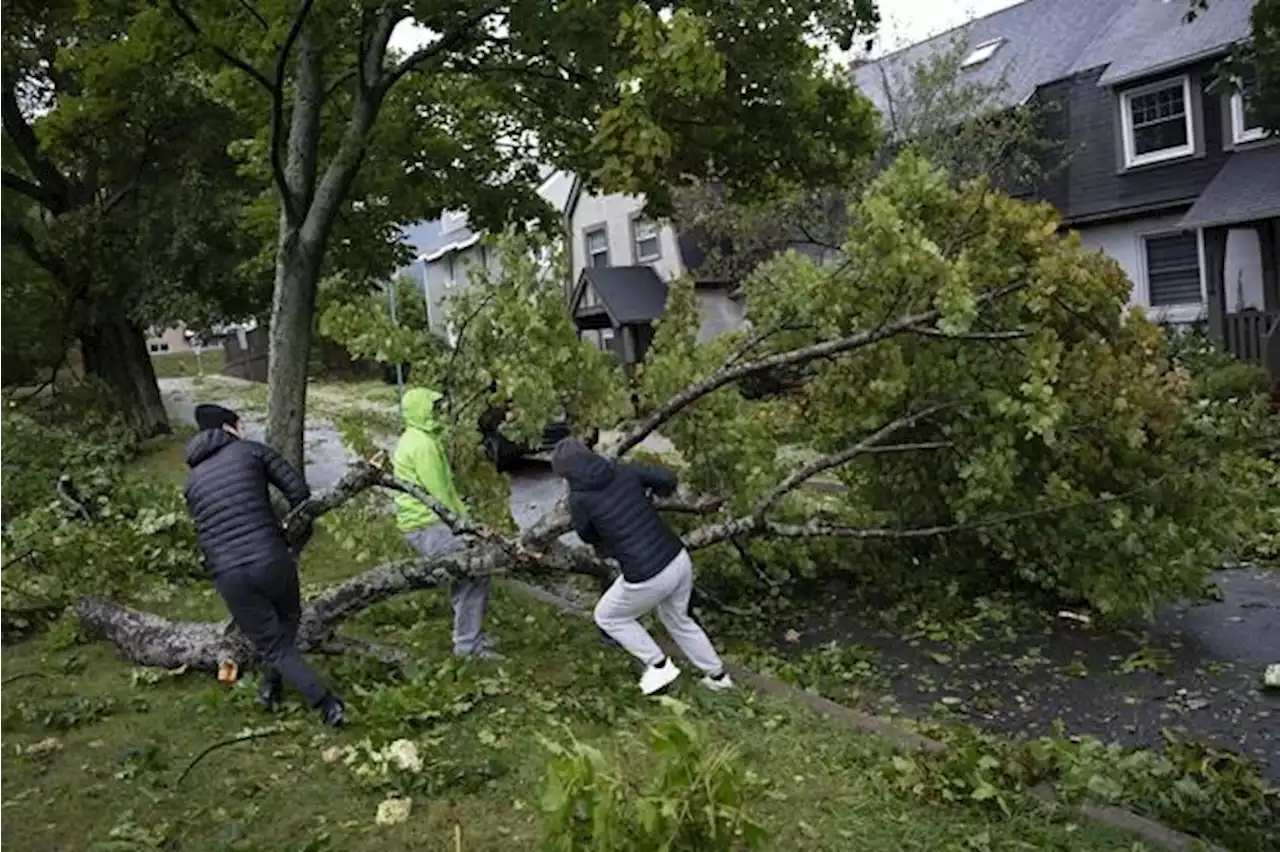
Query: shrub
[696, 800]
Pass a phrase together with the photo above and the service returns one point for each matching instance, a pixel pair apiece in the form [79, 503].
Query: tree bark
[115, 350]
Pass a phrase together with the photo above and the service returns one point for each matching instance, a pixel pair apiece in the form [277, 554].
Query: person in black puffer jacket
[253, 567]
[609, 508]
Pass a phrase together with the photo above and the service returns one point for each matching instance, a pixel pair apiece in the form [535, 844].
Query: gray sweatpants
[619, 609]
[266, 603]
[470, 598]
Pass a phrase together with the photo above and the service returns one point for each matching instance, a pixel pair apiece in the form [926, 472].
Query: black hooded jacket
[229, 502]
[609, 508]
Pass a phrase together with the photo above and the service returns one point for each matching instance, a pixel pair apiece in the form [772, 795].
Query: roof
[631, 294]
[1047, 40]
[1041, 41]
[1150, 36]
[1246, 188]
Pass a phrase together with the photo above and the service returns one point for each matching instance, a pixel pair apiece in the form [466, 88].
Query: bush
[696, 800]
[138, 529]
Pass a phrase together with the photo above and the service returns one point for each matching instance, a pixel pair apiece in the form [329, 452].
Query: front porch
[1243, 200]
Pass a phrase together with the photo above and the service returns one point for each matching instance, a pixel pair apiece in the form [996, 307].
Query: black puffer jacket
[609, 508]
[229, 502]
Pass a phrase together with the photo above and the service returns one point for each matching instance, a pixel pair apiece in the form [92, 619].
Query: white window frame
[588, 255]
[982, 52]
[1126, 117]
[1184, 312]
[1241, 135]
[641, 222]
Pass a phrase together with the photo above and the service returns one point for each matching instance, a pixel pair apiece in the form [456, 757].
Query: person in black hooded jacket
[253, 567]
[609, 508]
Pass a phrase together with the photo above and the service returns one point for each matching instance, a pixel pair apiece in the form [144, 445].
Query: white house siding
[1123, 242]
[449, 273]
[615, 213]
[719, 314]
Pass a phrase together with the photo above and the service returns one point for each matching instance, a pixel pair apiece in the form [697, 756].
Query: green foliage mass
[140, 528]
[697, 798]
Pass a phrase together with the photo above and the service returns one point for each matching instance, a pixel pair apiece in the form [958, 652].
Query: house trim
[632, 221]
[1241, 135]
[451, 247]
[1185, 312]
[1133, 160]
[587, 231]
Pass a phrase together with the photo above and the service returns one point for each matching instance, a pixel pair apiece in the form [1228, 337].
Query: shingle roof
[631, 294]
[1247, 187]
[1041, 40]
[1047, 40]
[1149, 36]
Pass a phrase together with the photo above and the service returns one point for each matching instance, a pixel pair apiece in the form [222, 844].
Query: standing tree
[119, 194]
[634, 96]
[970, 127]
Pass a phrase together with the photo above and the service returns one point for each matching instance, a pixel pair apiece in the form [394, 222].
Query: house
[446, 252]
[620, 262]
[1166, 175]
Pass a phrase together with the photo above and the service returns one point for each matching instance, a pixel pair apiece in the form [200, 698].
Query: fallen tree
[967, 370]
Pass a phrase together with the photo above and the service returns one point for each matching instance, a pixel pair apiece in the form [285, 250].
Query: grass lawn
[94, 747]
[172, 365]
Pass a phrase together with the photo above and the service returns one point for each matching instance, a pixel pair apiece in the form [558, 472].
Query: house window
[1173, 269]
[1157, 122]
[982, 53]
[1246, 125]
[606, 339]
[159, 347]
[647, 245]
[597, 248]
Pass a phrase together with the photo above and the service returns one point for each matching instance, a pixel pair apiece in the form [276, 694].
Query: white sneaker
[657, 677]
[718, 684]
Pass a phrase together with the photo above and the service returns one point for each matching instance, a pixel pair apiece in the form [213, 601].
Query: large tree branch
[459, 33]
[289, 202]
[834, 460]
[54, 189]
[224, 54]
[825, 349]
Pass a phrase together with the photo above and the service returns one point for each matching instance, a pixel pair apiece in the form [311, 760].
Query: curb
[1154, 832]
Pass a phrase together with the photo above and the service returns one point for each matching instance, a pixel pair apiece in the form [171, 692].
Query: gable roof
[1047, 40]
[1246, 188]
[1041, 39]
[631, 294]
[1150, 36]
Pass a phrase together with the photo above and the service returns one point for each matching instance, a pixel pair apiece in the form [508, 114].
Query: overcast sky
[905, 22]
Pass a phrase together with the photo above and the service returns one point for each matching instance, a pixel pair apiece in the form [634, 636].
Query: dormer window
[1157, 122]
[1246, 126]
[982, 53]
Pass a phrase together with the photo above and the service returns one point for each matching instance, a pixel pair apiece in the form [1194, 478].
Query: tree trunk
[292, 313]
[115, 351]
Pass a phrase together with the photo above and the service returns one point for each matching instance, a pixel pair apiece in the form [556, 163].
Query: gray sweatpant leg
[619, 609]
[470, 598]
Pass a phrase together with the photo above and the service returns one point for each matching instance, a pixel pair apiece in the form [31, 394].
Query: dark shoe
[269, 690]
[333, 712]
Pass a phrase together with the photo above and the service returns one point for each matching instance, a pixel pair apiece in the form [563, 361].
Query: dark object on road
[505, 452]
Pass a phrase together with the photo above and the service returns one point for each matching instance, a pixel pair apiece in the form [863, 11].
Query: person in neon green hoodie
[420, 459]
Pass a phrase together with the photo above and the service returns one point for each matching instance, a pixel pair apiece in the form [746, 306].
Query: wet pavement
[1196, 671]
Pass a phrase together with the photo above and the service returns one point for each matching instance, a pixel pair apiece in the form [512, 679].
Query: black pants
[266, 603]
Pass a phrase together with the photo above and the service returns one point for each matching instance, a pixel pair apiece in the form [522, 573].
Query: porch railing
[1244, 334]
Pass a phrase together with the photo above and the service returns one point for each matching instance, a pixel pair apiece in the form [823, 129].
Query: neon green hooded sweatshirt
[420, 458]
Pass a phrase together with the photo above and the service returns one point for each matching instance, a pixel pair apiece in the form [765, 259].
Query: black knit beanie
[565, 452]
[209, 416]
